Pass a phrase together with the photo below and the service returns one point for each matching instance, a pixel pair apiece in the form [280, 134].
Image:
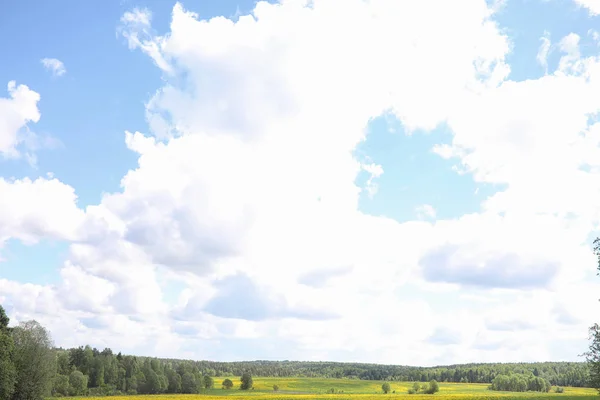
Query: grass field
[316, 389]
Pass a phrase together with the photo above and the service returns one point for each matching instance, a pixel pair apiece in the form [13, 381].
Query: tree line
[31, 367]
[520, 383]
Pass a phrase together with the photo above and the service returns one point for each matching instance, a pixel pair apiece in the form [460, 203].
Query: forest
[31, 367]
[105, 372]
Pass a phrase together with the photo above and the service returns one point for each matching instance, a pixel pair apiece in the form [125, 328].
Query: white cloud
[15, 113]
[374, 171]
[251, 172]
[426, 211]
[544, 50]
[593, 6]
[55, 66]
[32, 210]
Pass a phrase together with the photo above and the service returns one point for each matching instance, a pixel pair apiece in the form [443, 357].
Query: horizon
[328, 361]
[400, 183]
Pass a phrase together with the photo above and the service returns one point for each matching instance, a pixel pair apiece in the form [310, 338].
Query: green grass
[316, 389]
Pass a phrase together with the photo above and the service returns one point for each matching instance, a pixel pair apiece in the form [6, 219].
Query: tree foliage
[8, 373]
[593, 354]
[189, 384]
[34, 360]
[427, 388]
[209, 383]
[246, 380]
[386, 387]
[433, 387]
[88, 371]
[520, 383]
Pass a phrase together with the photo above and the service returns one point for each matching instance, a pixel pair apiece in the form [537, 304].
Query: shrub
[432, 388]
[386, 387]
[559, 389]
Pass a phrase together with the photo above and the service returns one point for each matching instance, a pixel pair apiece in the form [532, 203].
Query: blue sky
[280, 123]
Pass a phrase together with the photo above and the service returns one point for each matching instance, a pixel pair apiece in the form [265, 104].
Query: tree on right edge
[593, 354]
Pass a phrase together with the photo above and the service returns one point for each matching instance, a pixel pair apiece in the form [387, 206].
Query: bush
[415, 388]
[275, 388]
[386, 388]
[432, 388]
[559, 389]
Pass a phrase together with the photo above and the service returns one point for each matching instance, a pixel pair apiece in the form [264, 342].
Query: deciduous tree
[208, 381]
[246, 380]
[386, 387]
[593, 354]
[78, 383]
[35, 361]
[8, 373]
[188, 383]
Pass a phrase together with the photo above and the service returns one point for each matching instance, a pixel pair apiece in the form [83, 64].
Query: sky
[410, 182]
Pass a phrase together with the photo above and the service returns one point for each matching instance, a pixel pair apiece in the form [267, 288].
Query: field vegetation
[32, 369]
[347, 389]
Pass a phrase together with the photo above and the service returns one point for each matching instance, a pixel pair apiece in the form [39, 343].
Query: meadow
[348, 389]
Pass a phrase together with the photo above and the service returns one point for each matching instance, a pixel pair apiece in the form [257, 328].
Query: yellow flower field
[316, 389]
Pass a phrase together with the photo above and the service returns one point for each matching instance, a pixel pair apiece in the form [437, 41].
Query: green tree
[593, 354]
[432, 388]
[34, 360]
[62, 363]
[246, 380]
[174, 381]
[386, 388]
[152, 382]
[78, 383]
[97, 373]
[60, 385]
[227, 383]
[208, 382]
[4, 320]
[188, 383]
[8, 374]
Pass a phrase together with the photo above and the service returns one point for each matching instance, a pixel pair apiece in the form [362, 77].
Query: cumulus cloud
[593, 6]
[43, 208]
[55, 66]
[504, 270]
[240, 297]
[245, 190]
[444, 336]
[15, 113]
